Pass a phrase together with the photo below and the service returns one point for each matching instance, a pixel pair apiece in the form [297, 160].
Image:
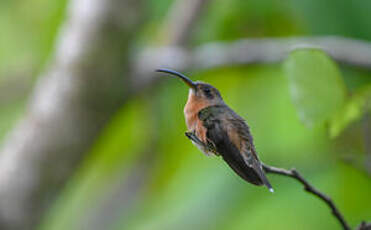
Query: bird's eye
[208, 93]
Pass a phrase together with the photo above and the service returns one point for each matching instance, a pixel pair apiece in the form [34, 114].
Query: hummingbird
[218, 131]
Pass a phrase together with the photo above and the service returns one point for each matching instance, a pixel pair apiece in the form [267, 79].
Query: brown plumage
[217, 130]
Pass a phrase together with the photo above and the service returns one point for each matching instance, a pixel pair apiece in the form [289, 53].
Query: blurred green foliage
[28, 30]
[316, 85]
[186, 190]
[143, 153]
[354, 109]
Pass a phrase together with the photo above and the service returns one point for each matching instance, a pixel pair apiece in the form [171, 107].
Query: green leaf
[353, 110]
[316, 86]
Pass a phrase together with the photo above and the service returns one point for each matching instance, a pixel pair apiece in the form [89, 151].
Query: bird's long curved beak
[186, 80]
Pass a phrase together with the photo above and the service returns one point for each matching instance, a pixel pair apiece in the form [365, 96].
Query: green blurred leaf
[352, 111]
[316, 86]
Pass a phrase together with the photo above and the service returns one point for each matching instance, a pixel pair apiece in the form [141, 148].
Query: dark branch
[309, 188]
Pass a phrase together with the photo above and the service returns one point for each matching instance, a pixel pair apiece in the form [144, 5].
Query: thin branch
[347, 51]
[270, 50]
[309, 188]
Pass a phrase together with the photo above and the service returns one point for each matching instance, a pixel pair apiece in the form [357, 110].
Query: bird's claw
[192, 136]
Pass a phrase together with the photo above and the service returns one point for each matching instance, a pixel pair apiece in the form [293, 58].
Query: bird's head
[199, 91]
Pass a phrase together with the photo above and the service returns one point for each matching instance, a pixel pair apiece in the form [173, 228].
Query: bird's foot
[192, 136]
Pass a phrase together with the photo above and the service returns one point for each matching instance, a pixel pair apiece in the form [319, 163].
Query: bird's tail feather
[263, 177]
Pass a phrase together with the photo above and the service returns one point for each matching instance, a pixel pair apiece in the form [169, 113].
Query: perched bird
[217, 130]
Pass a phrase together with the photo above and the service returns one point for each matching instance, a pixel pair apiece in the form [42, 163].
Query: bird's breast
[194, 124]
[190, 119]
[191, 109]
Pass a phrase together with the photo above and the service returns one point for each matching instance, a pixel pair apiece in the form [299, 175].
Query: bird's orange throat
[193, 106]
[191, 109]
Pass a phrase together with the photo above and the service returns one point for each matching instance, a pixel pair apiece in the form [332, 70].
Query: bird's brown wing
[233, 141]
[215, 119]
[239, 133]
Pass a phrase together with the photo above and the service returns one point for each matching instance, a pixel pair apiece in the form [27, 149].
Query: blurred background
[91, 138]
